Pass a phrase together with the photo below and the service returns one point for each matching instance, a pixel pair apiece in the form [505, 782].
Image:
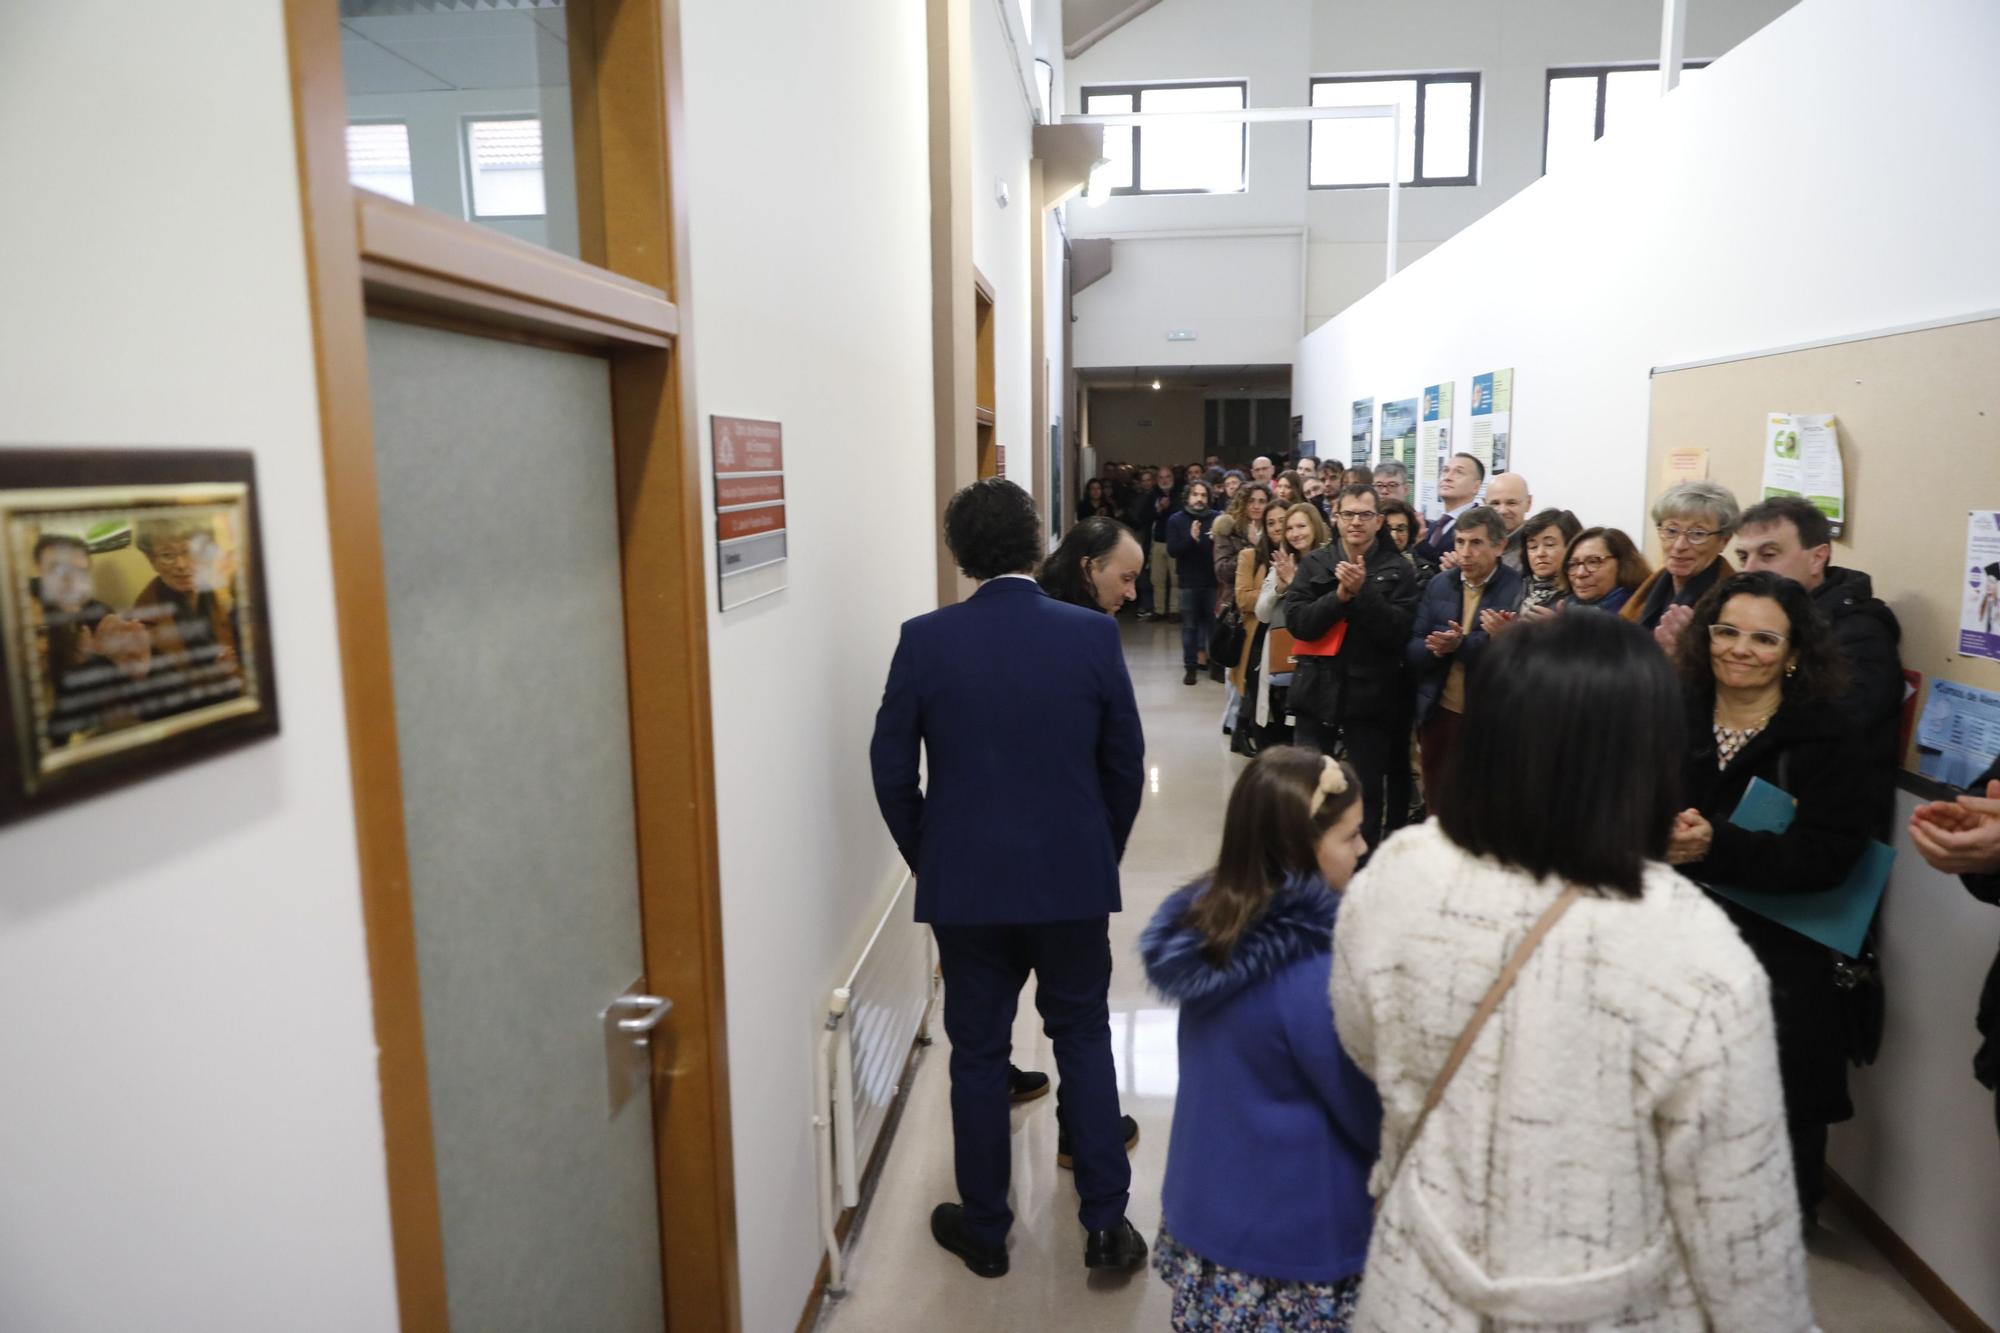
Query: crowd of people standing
[1640, 1144]
[1366, 623]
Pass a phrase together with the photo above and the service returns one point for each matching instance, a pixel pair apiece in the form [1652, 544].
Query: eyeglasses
[1763, 640]
[1589, 564]
[1669, 536]
[1357, 515]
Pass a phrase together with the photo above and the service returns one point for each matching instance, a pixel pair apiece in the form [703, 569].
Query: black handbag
[1861, 1004]
[1226, 640]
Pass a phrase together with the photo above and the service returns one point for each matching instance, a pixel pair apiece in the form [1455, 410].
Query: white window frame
[465, 124]
[1422, 79]
[1137, 92]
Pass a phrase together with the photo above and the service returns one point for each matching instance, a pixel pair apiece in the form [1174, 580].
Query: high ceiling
[1083, 17]
[429, 52]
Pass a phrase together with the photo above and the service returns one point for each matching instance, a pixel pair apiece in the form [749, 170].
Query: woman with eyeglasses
[1603, 567]
[1762, 670]
[1694, 520]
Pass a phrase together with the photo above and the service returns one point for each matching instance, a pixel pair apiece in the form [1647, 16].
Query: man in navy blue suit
[1023, 712]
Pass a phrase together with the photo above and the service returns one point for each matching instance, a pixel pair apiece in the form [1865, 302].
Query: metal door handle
[656, 1008]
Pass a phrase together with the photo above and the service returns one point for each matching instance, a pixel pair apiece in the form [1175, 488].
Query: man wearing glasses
[1694, 520]
[1349, 611]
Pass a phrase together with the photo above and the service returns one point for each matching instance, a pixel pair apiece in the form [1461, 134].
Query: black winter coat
[1986, 888]
[1809, 750]
[1365, 681]
[1867, 632]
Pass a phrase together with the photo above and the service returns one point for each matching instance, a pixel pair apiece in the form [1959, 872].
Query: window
[1440, 131]
[1584, 103]
[378, 159]
[1205, 157]
[503, 167]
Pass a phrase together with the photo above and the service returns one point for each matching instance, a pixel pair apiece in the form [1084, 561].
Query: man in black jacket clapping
[1962, 838]
[1791, 537]
[1349, 611]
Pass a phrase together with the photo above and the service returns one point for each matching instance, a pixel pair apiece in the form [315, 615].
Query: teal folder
[1837, 917]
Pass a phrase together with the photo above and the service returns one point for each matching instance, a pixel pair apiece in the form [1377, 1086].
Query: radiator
[872, 1020]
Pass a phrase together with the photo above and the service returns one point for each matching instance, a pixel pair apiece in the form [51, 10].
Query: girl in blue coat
[1265, 1210]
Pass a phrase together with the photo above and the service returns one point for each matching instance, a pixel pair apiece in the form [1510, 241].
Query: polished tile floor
[898, 1280]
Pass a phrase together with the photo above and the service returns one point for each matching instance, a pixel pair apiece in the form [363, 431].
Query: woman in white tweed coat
[1612, 1153]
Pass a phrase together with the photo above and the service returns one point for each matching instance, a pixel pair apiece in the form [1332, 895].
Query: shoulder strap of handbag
[1494, 995]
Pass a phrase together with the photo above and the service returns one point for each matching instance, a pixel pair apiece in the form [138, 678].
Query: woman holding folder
[1761, 671]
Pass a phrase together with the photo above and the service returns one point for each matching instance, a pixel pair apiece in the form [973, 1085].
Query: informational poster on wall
[750, 541]
[1433, 444]
[1802, 458]
[1979, 616]
[1492, 419]
[1399, 432]
[1958, 734]
[1361, 439]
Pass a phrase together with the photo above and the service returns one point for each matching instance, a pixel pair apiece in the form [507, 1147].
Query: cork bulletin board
[1919, 425]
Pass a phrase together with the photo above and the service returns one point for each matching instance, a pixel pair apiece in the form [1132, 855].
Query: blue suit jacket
[1024, 713]
[1444, 598]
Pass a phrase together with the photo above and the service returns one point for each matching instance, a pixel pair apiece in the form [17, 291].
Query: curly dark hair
[992, 529]
[1821, 672]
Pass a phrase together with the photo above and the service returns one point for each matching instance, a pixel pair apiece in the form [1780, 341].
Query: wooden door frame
[364, 253]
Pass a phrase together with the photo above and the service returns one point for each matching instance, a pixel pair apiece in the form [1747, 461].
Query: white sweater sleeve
[1728, 1168]
[1269, 605]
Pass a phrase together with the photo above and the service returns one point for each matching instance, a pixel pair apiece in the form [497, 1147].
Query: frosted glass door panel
[500, 536]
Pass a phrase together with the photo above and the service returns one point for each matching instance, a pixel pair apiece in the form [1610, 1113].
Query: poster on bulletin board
[1492, 419]
[1399, 431]
[1361, 438]
[1433, 444]
[1979, 605]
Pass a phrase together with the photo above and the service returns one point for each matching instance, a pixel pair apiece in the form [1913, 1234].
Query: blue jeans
[1197, 623]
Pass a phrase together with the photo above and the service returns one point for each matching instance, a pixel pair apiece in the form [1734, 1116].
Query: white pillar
[1673, 43]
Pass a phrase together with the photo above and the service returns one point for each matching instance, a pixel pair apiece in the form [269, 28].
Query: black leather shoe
[949, 1230]
[1025, 1085]
[1067, 1160]
[1189, 677]
[1120, 1247]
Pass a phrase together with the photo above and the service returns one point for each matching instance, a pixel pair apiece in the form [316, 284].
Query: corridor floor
[899, 1281]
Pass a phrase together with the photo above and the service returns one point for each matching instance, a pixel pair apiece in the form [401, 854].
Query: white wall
[1238, 294]
[1920, 1147]
[1280, 45]
[1678, 241]
[1003, 127]
[809, 299]
[190, 1134]
[1746, 213]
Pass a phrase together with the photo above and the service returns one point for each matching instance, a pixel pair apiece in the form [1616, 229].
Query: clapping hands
[1444, 642]
[1351, 576]
[1672, 622]
[1690, 839]
[1960, 837]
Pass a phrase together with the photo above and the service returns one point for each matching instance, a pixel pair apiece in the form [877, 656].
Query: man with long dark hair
[1022, 712]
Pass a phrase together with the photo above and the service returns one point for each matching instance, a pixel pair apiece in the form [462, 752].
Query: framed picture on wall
[137, 632]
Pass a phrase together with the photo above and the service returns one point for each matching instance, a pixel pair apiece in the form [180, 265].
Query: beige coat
[1612, 1154]
[1249, 580]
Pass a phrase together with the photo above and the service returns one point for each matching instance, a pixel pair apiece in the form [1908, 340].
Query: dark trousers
[1372, 748]
[1436, 739]
[984, 970]
[1808, 1163]
[1197, 623]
